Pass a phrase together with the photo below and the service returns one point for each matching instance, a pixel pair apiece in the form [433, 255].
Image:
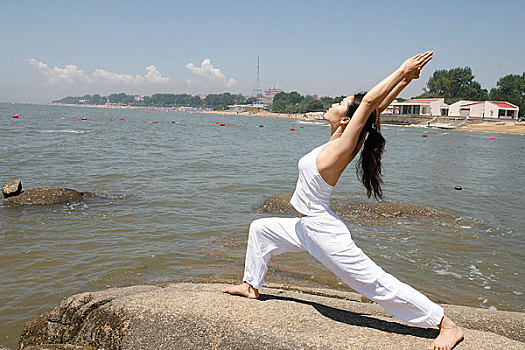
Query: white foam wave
[310, 122]
[67, 131]
[443, 272]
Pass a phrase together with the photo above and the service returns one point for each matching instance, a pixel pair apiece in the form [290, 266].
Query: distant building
[256, 107]
[483, 109]
[269, 94]
[426, 107]
[436, 107]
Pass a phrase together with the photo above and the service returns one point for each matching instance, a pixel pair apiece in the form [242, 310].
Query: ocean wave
[68, 131]
[445, 271]
[311, 122]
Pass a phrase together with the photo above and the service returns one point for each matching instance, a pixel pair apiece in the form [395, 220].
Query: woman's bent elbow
[369, 102]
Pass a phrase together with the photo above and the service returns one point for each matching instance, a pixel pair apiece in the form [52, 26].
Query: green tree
[454, 85]
[287, 102]
[329, 101]
[511, 88]
[310, 105]
[97, 100]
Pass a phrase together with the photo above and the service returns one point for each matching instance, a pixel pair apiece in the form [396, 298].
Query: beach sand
[507, 127]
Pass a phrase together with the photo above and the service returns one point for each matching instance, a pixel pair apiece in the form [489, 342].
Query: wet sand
[507, 127]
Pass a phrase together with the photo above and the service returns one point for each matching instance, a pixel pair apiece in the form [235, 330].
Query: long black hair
[368, 168]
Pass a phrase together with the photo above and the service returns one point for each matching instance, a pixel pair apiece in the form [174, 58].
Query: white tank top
[312, 193]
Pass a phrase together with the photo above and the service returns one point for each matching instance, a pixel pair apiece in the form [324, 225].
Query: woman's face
[338, 111]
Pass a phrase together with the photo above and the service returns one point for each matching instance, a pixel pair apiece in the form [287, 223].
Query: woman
[354, 122]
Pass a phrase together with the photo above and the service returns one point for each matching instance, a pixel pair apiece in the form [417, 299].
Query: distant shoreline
[510, 127]
[257, 114]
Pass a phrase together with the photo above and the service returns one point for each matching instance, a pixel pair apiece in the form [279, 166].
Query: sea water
[179, 196]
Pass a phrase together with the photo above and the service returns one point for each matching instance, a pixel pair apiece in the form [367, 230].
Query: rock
[199, 316]
[279, 203]
[12, 188]
[369, 212]
[46, 196]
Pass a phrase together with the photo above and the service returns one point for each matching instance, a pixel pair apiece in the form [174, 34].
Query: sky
[52, 49]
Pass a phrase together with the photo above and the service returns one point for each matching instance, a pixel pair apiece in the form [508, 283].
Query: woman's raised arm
[379, 93]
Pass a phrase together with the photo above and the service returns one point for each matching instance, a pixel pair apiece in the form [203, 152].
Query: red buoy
[424, 135]
[73, 117]
[261, 126]
[154, 122]
[302, 127]
[173, 122]
[223, 124]
[83, 118]
[217, 123]
[121, 118]
[292, 129]
[16, 116]
[493, 138]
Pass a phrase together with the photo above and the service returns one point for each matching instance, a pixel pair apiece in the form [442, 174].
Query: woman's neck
[336, 132]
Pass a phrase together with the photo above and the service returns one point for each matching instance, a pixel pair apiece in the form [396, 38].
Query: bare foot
[449, 335]
[242, 289]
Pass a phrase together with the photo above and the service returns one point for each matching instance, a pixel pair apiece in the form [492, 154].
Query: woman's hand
[412, 66]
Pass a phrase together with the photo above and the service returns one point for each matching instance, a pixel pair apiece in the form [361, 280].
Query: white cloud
[207, 70]
[153, 76]
[69, 74]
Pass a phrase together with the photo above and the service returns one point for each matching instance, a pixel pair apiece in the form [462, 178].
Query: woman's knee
[257, 225]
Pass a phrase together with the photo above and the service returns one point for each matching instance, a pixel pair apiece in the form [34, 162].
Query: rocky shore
[15, 196]
[362, 211]
[198, 316]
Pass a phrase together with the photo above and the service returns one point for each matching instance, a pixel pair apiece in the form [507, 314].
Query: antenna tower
[257, 90]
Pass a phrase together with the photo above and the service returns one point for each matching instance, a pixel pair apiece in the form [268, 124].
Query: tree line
[215, 101]
[453, 85]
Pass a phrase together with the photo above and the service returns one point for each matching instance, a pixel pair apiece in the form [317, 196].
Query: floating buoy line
[16, 116]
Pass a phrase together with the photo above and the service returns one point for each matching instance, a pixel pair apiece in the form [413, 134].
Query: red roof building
[483, 110]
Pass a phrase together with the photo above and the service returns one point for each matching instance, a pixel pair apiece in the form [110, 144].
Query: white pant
[327, 238]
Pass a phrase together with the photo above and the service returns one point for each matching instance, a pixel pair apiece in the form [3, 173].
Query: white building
[427, 107]
[483, 110]
[254, 108]
[501, 110]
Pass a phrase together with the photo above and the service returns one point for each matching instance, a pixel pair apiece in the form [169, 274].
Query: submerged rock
[46, 196]
[199, 316]
[12, 188]
[361, 210]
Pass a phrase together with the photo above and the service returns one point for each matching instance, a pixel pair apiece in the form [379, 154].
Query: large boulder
[46, 196]
[364, 211]
[12, 188]
[199, 316]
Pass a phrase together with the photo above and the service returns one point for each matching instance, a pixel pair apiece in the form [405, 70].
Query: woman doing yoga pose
[355, 124]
